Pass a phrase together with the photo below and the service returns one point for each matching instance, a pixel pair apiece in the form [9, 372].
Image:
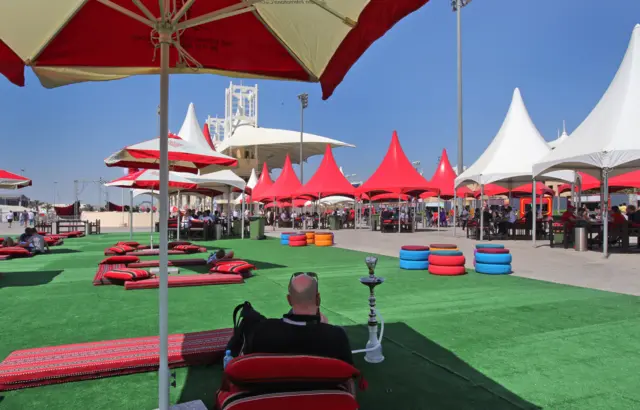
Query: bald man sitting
[302, 330]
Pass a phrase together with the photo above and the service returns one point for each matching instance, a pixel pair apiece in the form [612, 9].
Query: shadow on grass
[258, 264]
[16, 279]
[54, 251]
[417, 374]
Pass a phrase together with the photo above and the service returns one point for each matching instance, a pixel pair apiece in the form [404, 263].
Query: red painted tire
[414, 248]
[492, 250]
[444, 245]
[445, 260]
[446, 270]
[298, 237]
[294, 244]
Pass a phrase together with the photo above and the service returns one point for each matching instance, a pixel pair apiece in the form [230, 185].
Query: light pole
[55, 184]
[304, 103]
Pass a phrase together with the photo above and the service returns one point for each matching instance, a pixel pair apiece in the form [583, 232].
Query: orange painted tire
[447, 270]
[447, 260]
[324, 243]
[298, 237]
[310, 234]
[295, 244]
[310, 241]
[443, 249]
[324, 237]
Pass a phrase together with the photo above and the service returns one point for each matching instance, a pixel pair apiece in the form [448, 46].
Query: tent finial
[564, 126]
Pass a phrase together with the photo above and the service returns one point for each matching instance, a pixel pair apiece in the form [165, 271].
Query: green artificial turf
[470, 342]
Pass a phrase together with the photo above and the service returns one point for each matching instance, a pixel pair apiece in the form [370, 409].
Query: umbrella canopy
[608, 137]
[263, 185]
[150, 179]
[617, 183]
[388, 198]
[183, 156]
[297, 203]
[220, 181]
[286, 186]
[328, 180]
[9, 180]
[207, 136]
[523, 190]
[395, 174]
[444, 179]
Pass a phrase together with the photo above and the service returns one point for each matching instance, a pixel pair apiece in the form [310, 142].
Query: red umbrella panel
[630, 180]
[10, 180]
[150, 179]
[523, 190]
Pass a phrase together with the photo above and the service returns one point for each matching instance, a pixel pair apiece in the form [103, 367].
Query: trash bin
[334, 222]
[374, 223]
[256, 228]
[581, 243]
[217, 232]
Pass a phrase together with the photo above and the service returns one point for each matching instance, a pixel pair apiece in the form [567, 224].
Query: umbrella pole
[178, 216]
[481, 212]
[604, 195]
[163, 291]
[455, 210]
[151, 218]
[438, 213]
[131, 214]
[229, 214]
[534, 213]
[242, 216]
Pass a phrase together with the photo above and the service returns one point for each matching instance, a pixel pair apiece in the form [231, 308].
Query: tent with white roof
[251, 183]
[191, 131]
[607, 142]
[561, 138]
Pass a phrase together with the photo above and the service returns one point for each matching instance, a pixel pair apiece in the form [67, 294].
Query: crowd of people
[26, 218]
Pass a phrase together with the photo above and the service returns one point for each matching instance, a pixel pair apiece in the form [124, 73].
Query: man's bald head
[303, 292]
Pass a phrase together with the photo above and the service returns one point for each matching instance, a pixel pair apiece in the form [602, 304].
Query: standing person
[31, 218]
[21, 218]
[10, 218]
[464, 217]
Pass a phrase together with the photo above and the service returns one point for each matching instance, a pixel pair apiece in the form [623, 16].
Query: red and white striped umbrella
[9, 180]
[150, 179]
[183, 157]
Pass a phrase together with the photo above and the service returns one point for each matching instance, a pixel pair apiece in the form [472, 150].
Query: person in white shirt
[235, 215]
[31, 218]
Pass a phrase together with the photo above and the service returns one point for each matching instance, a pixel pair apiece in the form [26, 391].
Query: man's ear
[318, 299]
[289, 300]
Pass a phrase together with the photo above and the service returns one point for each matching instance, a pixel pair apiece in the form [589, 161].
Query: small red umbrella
[9, 180]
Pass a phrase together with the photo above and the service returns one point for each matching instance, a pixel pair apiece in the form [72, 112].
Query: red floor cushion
[444, 245]
[119, 259]
[127, 274]
[120, 249]
[232, 266]
[492, 250]
[414, 248]
[186, 248]
[133, 244]
[294, 400]
[176, 243]
[15, 251]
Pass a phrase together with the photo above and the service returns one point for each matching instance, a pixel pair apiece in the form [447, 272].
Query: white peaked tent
[509, 159]
[609, 138]
[191, 131]
[251, 183]
[561, 138]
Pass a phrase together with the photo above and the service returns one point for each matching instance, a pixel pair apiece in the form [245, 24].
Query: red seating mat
[176, 262]
[99, 279]
[95, 360]
[4, 257]
[186, 280]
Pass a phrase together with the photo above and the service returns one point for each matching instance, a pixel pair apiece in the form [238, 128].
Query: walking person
[31, 217]
[10, 218]
[464, 217]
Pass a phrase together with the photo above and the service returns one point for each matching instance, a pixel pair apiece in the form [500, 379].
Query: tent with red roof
[286, 186]
[443, 180]
[207, 136]
[263, 185]
[395, 175]
[517, 192]
[9, 180]
[328, 180]
[617, 183]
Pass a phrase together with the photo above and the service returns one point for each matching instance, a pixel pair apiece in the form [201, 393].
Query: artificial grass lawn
[470, 342]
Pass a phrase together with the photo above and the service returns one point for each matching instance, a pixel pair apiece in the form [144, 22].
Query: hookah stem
[372, 308]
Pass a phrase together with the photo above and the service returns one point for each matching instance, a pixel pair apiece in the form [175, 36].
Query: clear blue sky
[562, 54]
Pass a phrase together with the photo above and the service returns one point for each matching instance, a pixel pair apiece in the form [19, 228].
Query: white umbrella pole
[151, 218]
[481, 212]
[163, 291]
[131, 214]
[242, 224]
[229, 214]
[455, 205]
[604, 190]
[178, 216]
[438, 212]
[534, 213]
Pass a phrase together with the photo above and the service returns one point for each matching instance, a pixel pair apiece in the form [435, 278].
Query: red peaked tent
[395, 175]
[443, 179]
[262, 186]
[207, 135]
[517, 192]
[328, 180]
[617, 183]
[285, 187]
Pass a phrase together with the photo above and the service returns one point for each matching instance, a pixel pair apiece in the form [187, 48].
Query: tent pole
[178, 217]
[229, 213]
[131, 214]
[399, 208]
[163, 291]
[455, 210]
[534, 213]
[242, 216]
[438, 219]
[604, 193]
[151, 214]
[481, 212]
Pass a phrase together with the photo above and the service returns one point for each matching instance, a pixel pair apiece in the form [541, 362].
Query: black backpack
[245, 320]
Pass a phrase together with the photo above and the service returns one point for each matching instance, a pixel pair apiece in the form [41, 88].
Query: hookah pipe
[373, 348]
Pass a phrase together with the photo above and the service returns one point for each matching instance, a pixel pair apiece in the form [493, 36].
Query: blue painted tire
[414, 265]
[447, 253]
[494, 258]
[489, 245]
[489, 269]
[414, 255]
[284, 242]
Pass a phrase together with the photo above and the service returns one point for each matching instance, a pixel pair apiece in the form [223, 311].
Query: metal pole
[151, 218]
[604, 195]
[163, 291]
[301, 141]
[179, 199]
[131, 214]
[460, 133]
[534, 213]
[481, 212]
[242, 216]
[455, 204]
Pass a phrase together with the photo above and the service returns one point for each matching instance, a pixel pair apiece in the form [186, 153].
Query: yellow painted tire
[443, 249]
[324, 237]
[324, 243]
[310, 241]
[310, 235]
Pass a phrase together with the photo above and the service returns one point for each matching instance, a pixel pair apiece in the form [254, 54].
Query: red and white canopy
[73, 41]
[183, 157]
[9, 180]
[150, 179]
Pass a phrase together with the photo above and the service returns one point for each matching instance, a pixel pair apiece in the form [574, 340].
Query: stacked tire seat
[448, 262]
[323, 239]
[414, 257]
[311, 237]
[492, 259]
[284, 237]
[443, 247]
[297, 240]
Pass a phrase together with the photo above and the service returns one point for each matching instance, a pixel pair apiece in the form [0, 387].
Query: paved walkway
[619, 273]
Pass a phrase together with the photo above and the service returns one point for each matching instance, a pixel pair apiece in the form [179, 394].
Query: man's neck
[305, 311]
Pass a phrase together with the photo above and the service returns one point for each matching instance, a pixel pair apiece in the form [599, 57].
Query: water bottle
[227, 359]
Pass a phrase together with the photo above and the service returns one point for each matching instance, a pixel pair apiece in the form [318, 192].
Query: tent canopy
[219, 181]
[263, 185]
[617, 183]
[517, 192]
[191, 131]
[608, 137]
[395, 174]
[509, 159]
[328, 180]
[286, 186]
[443, 180]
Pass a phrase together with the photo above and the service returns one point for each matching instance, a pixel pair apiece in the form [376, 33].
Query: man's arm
[342, 343]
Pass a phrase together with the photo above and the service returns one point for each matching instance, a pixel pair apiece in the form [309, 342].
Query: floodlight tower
[304, 103]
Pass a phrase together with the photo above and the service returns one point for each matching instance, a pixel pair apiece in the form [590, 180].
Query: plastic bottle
[227, 359]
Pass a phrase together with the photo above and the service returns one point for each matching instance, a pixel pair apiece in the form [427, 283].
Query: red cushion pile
[187, 248]
[235, 266]
[15, 252]
[124, 259]
[119, 250]
[127, 274]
